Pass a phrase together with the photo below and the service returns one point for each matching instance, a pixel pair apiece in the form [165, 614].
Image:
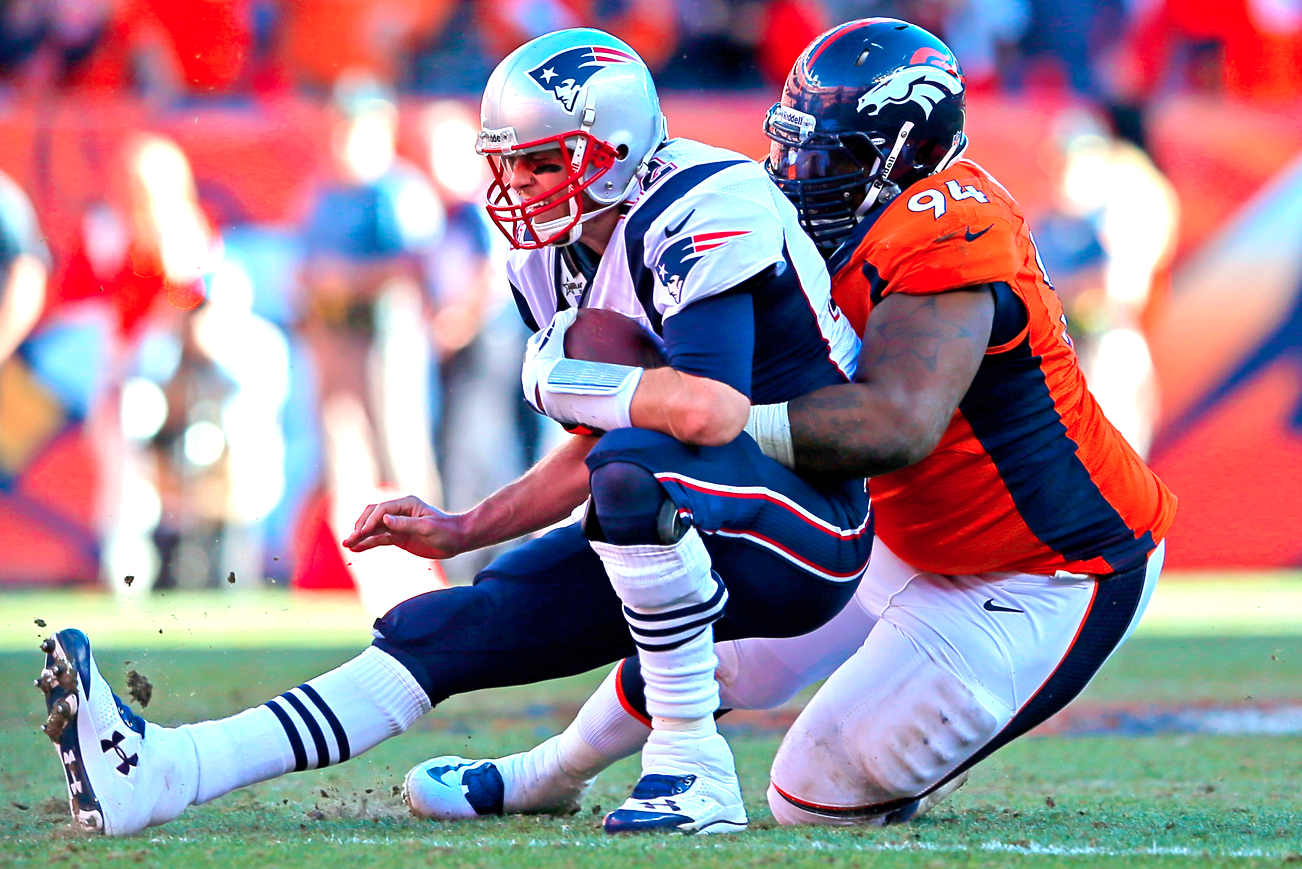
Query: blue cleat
[688, 784]
[454, 788]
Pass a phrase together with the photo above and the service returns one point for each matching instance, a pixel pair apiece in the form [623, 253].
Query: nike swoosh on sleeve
[671, 231]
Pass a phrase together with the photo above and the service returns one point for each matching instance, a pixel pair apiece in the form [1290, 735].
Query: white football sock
[671, 600]
[563, 767]
[333, 717]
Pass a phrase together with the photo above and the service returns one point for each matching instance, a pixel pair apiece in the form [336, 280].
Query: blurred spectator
[52, 38]
[322, 39]
[1247, 48]
[1067, 42]
[649, 26]
[717, 46]
[985, 34]
[219, 451]
[26, 419]
[24, 266]
[1108, 248]
[371, 228]
[162, 46]
[788, 26]
[484, 425]
[140, 257]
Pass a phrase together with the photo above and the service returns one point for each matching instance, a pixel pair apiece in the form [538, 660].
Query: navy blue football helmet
[870, 107]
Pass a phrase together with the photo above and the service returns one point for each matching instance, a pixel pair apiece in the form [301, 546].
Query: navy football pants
[790, 555]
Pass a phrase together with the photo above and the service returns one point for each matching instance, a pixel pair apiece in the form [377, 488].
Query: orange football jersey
[1029, 476]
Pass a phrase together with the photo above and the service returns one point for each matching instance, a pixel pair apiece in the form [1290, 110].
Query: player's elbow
[710, 414]
[917, 431]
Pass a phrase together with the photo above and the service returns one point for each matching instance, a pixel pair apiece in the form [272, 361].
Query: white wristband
[770, 426]
[598, 395]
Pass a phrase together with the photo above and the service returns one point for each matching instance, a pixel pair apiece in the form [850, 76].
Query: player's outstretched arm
[546, 494]
[920, 354]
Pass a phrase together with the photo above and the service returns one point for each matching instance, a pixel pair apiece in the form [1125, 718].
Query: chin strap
[878, 187]
[955, 152]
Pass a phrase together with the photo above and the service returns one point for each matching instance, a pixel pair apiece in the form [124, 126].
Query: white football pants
[937, 671]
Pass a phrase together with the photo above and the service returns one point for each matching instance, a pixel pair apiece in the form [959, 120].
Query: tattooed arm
[919, 356]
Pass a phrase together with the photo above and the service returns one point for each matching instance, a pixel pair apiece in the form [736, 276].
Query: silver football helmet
[588, 94]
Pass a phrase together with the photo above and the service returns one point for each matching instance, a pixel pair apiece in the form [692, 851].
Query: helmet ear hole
[621, 152]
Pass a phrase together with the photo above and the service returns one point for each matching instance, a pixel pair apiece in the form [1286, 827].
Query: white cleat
[531, 783]
[453, 789]
[689, 784]
[121, 771]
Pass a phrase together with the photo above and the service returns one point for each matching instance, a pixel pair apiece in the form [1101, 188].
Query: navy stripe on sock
[677, 629]
[333, 720]
[710, 604]
[667, 647]
[295, 741]
[318, 736]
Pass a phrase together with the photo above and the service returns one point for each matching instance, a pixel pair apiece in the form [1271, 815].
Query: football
[598, 335]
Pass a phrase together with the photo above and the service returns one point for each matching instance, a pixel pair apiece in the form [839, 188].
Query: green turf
[239, 616]
[1044, 801]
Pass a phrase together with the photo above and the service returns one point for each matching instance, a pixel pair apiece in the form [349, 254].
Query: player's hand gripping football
[592, 394]
[546, 347]
[411, 524]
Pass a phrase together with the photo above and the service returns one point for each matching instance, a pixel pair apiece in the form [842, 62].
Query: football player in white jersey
[691, 533]
[963, 634]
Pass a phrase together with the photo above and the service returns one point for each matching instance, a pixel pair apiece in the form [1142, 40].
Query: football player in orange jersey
[1018, 536]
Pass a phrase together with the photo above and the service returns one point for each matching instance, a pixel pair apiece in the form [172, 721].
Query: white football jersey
[702, 221]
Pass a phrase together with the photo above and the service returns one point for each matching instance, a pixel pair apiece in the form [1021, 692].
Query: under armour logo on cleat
[666, 804]
[115, 744]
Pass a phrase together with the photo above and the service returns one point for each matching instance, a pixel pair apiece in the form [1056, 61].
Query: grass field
[1073, 794]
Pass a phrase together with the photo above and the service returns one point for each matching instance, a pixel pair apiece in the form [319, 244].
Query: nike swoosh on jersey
[671, 231]
[967, 234]
[991, 606]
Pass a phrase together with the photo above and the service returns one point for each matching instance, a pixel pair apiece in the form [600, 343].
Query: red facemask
[518, 221]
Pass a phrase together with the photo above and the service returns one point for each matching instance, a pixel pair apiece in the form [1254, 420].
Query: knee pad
[631, 506]
[889, 726]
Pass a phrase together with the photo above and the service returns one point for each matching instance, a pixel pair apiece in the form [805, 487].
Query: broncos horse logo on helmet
[869, 108]
[564, 74]
[924, 85]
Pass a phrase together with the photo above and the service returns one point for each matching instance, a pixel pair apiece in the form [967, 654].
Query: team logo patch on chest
[564, 74]
[679, 258]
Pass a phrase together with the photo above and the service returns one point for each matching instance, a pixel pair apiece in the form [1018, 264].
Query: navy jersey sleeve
[714, 337]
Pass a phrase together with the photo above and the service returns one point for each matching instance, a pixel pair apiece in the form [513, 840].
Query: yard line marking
[996, 846]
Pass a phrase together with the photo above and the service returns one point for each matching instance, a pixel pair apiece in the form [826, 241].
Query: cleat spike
[54, 728]
[47, 645]
[59, 669]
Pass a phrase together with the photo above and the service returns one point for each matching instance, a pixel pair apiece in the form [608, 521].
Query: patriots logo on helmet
[679, 258]
[565, 73]
[924, 85]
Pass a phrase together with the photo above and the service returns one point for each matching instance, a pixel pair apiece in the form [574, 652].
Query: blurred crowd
[243, 388]
[1119, 49]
